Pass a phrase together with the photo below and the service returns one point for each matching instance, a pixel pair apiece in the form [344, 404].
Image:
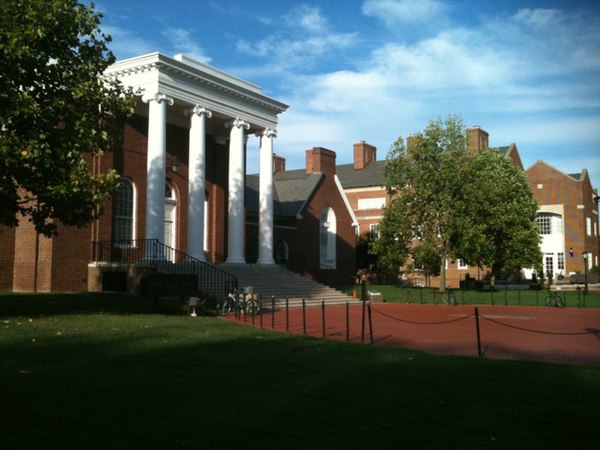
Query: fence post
[347, 321]
[478, 334]
[505, 294]
[323, 315]
[287, 314]
[492, 294]
[272, 311]
[261, 311]
[304, 316]
[362, 329]
[370, 324]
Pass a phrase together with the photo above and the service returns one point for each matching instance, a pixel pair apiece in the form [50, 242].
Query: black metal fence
[211, 280]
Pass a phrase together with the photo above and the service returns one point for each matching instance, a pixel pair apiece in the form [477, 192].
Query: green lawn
[87, 371]
[397, 294]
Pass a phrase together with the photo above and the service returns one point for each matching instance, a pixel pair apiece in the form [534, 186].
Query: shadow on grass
[129, 381]
[30, 304]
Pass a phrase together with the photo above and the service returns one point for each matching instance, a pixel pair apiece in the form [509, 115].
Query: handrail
[211, 279]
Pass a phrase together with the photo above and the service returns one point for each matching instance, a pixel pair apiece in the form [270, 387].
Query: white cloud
[182, 41]
[394, 12]
[308, 18]
[126, 44]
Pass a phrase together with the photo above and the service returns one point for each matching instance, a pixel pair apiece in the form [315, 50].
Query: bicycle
[555, 299]
[448, 298]
[241, 301]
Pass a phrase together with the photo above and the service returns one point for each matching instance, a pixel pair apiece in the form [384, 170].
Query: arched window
[549, 223]
[170, 216]
[124, 213]
[327, 238]
[281, 252]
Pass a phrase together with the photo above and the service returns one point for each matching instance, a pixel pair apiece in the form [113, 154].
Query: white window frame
[460, 264]
[119, 217]
[371, 203]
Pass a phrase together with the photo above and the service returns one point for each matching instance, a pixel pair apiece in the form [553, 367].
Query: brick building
[183, 164]
[568, 219]
[564, 199]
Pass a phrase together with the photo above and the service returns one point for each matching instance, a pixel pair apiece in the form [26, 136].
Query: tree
[449, 203]
[508, 239]
[56, 113]
[422, 179]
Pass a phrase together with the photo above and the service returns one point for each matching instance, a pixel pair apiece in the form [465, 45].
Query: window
[561, 261]
[374, 231]
[588, 225]
[371, 203]
[550, 223]
[549, 265]
[461, 264]
[123, 217]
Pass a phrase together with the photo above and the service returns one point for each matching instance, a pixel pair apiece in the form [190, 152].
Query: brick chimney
[278, 164]
[477, 140]
[363, 154]
[319, 159]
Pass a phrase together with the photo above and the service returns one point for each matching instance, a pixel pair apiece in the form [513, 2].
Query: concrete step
[278, 282]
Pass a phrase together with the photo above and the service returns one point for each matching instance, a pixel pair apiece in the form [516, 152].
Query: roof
[292, 190]
[503, 151]
[371, 175]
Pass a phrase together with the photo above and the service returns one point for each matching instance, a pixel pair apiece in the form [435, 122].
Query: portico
[207, 102]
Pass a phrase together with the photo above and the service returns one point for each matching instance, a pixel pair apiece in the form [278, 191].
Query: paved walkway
[553, 335]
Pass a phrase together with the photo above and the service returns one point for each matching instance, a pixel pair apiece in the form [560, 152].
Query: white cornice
[191, 82]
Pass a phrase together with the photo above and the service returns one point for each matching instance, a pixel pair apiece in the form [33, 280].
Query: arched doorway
[327, 238]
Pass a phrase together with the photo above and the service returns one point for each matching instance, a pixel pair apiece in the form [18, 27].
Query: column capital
[267, 132]
[158, 97]
[199, 110]
[238, 123]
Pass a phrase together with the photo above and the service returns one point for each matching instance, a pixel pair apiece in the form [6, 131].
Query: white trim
[346, 201]
[365, 189]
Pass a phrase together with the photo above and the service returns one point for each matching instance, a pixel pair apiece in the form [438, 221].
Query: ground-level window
[560, 265]
[124, 209]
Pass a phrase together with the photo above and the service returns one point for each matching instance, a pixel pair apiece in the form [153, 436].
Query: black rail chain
[423, 323]
[540, 331]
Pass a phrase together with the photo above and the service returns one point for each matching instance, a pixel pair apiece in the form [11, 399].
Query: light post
[585, 270]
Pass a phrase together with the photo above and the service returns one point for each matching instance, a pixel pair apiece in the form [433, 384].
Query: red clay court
[552, 335]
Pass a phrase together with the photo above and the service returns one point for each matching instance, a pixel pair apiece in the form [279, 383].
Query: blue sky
[527, 72]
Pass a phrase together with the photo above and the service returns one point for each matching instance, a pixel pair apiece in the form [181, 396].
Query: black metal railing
[211, 280]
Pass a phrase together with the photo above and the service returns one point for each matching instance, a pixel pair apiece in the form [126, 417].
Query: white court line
[492, 316]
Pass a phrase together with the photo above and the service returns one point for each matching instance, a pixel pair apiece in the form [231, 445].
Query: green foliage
[508, 239]
[476, 207]
[422, 180]
[427, 259]
[56, 113]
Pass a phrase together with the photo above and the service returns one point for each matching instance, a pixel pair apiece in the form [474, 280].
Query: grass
[397, 294]
[114, 372]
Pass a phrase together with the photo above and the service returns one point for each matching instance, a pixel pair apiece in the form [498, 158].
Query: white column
[235, 237]
[156, 165]
[196, 182]
[265, 214]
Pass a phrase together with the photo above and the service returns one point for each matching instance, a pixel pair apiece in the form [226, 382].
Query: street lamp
[585, 267]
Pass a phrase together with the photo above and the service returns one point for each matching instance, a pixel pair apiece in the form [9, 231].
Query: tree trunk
[443, 275]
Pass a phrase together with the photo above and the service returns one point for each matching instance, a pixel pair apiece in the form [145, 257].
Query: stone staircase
[275, 281]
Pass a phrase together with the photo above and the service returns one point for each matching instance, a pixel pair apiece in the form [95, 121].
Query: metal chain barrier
[539, 331]
[422, 323]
